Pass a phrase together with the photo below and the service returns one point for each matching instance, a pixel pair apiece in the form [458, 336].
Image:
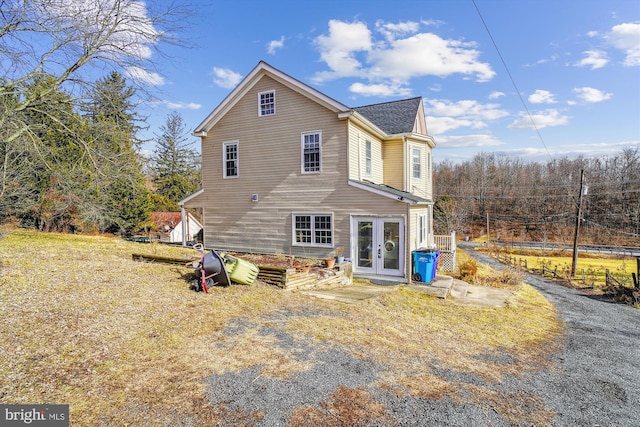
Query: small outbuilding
[169, 226]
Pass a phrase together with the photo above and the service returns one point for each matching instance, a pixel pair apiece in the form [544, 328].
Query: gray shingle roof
[392, 117]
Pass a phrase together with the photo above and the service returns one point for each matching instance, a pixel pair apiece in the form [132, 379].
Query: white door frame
[385, 252]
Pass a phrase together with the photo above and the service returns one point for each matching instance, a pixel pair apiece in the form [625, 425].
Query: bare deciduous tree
[65, 39]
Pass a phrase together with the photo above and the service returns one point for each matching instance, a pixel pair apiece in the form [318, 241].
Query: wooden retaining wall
[285, 278]
[291, 279]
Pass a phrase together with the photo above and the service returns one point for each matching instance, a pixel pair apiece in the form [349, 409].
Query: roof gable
[261, 70]
[393, 117]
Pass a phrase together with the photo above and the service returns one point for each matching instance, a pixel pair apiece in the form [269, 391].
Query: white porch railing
[447, 247]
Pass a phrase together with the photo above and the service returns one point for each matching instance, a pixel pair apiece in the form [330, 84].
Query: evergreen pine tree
[175, 164]
[121, 183]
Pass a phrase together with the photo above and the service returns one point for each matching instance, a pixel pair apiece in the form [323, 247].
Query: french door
[378, 245]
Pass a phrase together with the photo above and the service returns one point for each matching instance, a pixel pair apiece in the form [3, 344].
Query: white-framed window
[367, 157]
[313, 229]
[416, 162]
[423, 226]
[230, 164]
[267, 103]
[311, 152]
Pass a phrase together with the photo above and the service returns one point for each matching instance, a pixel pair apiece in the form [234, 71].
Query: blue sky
[576, 66]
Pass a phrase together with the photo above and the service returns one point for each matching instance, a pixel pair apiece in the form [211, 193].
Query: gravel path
[598, 377]
[595, 380]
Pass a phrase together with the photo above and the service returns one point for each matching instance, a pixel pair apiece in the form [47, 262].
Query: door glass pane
[391, 245]
[365, 244]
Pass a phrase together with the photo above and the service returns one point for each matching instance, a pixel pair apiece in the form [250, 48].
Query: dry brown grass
[125, 342]
[345, 407]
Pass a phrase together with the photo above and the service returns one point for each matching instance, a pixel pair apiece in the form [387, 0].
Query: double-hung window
[367, 157]
[416, 162]
[311, 152]
[267, 103]
[230, 159]
[313, 229]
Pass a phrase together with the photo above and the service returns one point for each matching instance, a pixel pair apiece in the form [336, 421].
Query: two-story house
[287, 169]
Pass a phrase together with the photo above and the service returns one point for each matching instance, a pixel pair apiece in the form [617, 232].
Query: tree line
[539, 200]
[69, 147]
[79, 167]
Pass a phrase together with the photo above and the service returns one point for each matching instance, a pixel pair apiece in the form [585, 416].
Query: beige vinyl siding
[357, 156]
[420, 186]
[417, 185]
[414, 227]
[270, 166]
[394, 170]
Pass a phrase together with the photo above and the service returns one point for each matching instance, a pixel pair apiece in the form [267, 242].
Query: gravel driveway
[595, 379]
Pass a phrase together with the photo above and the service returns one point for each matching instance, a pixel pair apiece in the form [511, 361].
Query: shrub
[508, 277]
[468, 270]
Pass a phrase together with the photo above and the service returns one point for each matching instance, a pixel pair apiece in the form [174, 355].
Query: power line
[513, 82]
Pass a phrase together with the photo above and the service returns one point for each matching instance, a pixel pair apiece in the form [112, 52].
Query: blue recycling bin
[425, 263]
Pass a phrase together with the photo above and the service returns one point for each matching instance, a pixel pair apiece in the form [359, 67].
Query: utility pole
[583, 191]
[487, 229]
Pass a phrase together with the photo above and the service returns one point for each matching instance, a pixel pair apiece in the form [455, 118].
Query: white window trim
[273, 91]
[225, 144]
[423, 228]
[414, 147]
[302, 135]
[368, 157]
[313, 243]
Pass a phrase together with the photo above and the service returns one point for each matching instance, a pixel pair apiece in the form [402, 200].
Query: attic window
[267, 103]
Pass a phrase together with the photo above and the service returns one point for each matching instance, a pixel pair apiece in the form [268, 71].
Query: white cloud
[428, 54]
[379, 90]
[626, 37]
[543, 119]
[468, 141]
[400, 54]
[144, 76]
[591, 95]
[392, 31]
[542, 97]
[338, 49]
[439, 125]
[182, 105]
[432, 22]
[594, 59]
[444, 115]
[274, 45]
[552, 58]
[496, 94]
[226, 78]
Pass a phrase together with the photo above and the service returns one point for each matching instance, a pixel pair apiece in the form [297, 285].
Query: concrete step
[459, 289]
[439, 287]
